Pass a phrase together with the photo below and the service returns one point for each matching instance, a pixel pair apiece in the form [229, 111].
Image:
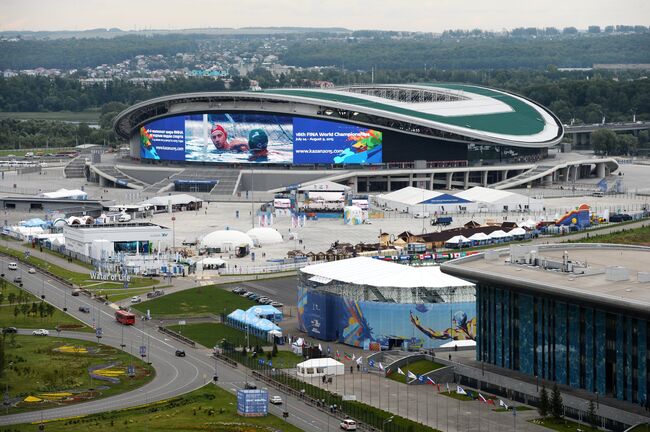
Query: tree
[49, 310]
[274, 351]
[543, 407]
[2, 355]
[557, 407]
[627, 144]
[591, 414]
[12, 298]
[2, 298]
[16, 311]
[604, 141]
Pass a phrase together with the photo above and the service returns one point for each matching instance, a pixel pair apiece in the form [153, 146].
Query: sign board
[116, 277]
[252, 403]
[181, 322]
[143, 350]
[99, 332]
[349, 397]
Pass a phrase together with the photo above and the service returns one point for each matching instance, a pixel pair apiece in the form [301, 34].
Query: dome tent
[225, 240]
[264, 236]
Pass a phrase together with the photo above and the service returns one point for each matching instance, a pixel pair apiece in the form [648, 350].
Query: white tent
[66, 194]
[517, 232]
[326, 185]
[458, 240]
[459, 343]
[416, 200]
[225, 240]
[479, 237]
[210, 262]
[499, 235]
[264, 236]
[530, 224]
[319, 367]
[500, 200]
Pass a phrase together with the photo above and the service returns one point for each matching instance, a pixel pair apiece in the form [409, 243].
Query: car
[41, 332]
[348, 424]
[250, 294]
[254, 297]
[8, 330]
[250, 385]
[84, 309]
[180, 353]
[31, 270]
[261, 300]
[275, 400]
[244, 293]
[18, 280]
[237, 290]
[76, 292]
[12, 266]
[136, 299]
[276, 304]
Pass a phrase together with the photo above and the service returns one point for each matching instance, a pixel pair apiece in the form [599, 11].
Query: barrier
[177, 336]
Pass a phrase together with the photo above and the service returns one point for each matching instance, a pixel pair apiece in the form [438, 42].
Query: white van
[12, 266]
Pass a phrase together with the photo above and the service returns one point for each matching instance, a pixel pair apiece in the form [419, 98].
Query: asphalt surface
[174, 376]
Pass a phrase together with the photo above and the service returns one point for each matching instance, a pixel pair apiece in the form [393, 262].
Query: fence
[177, 336]
[273, 268]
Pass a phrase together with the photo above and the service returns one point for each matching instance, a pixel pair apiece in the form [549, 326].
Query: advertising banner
[258, 138]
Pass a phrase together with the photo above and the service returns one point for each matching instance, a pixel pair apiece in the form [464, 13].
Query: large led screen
[259, 138]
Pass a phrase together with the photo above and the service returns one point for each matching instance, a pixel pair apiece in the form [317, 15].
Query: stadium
[373, 138]
[376, 304]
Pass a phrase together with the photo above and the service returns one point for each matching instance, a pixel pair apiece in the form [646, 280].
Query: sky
[410, 15]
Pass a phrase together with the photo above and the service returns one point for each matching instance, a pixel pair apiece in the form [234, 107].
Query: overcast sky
[414, 15]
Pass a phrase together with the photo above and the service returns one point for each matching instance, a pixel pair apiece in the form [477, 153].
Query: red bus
[124, 317]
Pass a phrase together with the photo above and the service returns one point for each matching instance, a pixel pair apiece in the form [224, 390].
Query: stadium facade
[346, 126]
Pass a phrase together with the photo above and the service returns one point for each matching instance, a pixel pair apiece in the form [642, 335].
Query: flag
[602, 185]
[400, 371]
[359, 360]
[481, 398]
[269, 363]
[353, 356]
[438, 387]
[338, 355]
[430, 381]
[503, 404]
[329, 350]
[320, 348]
[421, 379]
[371, 363]
[347, 356]
[412, 376]
[381, 367]
[460, 390]
[448, 391]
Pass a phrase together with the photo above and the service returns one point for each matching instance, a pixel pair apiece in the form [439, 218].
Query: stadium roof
[449, 111]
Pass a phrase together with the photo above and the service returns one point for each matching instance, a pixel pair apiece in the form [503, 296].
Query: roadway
[174, 376]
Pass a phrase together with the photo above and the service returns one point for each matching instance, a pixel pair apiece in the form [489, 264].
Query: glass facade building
[589, 346]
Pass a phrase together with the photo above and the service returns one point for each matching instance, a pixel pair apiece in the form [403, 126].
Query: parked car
[12, 266]
[31, 270]
[244, 293]
[41, 332]
[254, 297]
[180, 353]
[84, 309]
[237, 290]
[276, 304]
[136, 299]
[8, 330]
[348, 424]
[76, 292]
[275, 400]
[261, 300]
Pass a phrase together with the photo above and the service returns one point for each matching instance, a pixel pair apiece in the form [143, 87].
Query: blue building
[574, 314]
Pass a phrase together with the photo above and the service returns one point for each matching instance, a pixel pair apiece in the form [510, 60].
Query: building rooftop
[608, 275]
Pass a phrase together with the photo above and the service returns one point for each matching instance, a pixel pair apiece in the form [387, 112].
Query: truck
[442, 220]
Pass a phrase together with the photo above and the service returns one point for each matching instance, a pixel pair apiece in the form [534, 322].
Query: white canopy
[212, 261]
[264, 235]
[479, 236]
[499, 234]
[409, 195]
[225, 240]
[528, 224]
[459, 343]
[373, 272]
[458, 239]
[65, 193]
[517, 232]
[319, 362]
[319, 367]
[178, 199]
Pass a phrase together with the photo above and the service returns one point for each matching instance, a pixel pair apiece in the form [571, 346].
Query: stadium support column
[484, 181]
[388, 184]
[466, 180]
[600, 170]
[448, 180]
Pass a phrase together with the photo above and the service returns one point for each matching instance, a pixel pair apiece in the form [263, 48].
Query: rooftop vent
[407, 95]
[616, 274]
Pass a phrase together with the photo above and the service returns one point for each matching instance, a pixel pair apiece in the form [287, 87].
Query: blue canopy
[445, 199]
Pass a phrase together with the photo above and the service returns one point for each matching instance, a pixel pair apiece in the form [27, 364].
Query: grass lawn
[285, 359]
[209, 334]
[561, 425]
[9, 319]
[636, 236]
[641, 428]
[81, 279]
[196, 301]
[54, 371]
[208, 409]
[458, 396]
[418, 368]
[519, 408]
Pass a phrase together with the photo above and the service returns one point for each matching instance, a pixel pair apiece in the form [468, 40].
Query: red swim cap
[220, 128]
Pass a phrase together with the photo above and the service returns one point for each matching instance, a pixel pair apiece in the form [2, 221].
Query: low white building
[95, 242]
[494, 200]
[319, 367]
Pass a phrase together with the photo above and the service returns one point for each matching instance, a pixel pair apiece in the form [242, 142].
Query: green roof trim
[522, 120]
